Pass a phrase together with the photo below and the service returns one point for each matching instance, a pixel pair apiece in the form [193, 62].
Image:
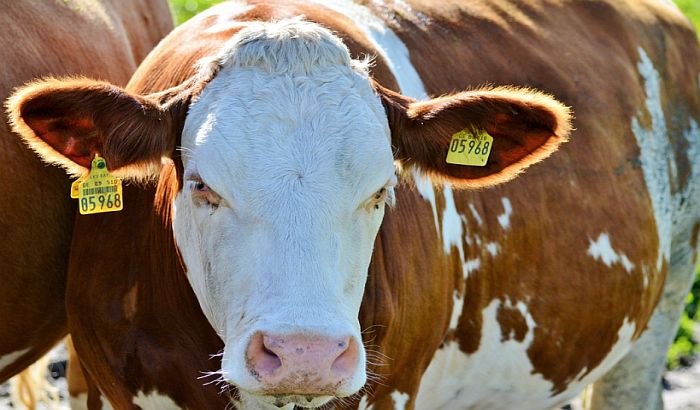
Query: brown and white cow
[276, 145]
[78, 37]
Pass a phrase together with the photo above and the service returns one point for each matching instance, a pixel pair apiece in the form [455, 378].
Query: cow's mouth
[284, 401]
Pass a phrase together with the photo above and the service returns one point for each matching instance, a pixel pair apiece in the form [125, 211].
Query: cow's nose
[301, 363]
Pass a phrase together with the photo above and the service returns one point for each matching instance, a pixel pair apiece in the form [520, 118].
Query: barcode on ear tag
[469, 147]
[100, 191]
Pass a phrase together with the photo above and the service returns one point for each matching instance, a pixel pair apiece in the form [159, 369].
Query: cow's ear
[68, 121]
[526, 126]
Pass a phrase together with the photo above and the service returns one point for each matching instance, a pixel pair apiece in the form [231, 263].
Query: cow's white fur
[363, 405]
[601, 249]
[475, 214]
[386, 42]
[452, 230]
[502, 371]
[293, 138]
[504, 218]
[427, 191]
[656, 156]
[80, 402]
[492, 248]
[400, 399]
[154, 401]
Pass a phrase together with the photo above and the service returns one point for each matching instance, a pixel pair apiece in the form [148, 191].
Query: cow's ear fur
[527, 126]
[68, 121]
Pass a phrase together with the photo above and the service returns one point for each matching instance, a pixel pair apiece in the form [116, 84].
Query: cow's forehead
[315, 122]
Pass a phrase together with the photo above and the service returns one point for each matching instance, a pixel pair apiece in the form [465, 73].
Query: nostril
[345, 364]
[268, 351]
[261, 359]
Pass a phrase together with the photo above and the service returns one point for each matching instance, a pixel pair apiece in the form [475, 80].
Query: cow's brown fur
[515, 117]
[82, 37]
[593, 184]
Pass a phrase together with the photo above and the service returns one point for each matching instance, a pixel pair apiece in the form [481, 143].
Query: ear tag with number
[100, 191]
[75, 186]
[470, 147]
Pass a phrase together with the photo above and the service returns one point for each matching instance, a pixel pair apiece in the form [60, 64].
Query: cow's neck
[134, 300]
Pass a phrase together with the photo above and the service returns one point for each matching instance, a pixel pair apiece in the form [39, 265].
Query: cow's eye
[380, 198]
[203, 195]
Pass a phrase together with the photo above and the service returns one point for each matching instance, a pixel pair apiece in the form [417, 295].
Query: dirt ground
[682, 393]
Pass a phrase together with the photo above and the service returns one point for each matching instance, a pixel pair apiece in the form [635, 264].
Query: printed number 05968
[478, 148]
[103, 201]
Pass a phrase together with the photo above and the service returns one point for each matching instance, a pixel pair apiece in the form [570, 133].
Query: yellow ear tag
[75, 186]
[100, 191]
[470, 148]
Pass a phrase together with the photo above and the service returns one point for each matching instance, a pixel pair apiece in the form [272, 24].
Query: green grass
[183, 10]
[686, 346]
[691, 8]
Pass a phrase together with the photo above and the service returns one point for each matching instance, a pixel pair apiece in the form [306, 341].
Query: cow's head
[290, 153]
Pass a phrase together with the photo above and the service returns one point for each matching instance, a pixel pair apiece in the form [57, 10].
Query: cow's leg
[635, 382]
[81, 388]
[77, 383]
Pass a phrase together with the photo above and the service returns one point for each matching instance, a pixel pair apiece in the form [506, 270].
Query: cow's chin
[251, 401]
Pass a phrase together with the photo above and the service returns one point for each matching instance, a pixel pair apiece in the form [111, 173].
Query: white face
[286, 182]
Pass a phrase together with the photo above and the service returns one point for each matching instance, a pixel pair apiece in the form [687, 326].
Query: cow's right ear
[68, 121]
[525, 126]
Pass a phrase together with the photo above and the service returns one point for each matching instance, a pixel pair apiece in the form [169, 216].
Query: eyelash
[202, 193]
[384, 195]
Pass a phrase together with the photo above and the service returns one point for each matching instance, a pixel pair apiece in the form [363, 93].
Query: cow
[58, 38]
[261, 143]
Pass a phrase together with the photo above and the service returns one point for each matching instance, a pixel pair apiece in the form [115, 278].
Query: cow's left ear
[69, 121]
[526, 126]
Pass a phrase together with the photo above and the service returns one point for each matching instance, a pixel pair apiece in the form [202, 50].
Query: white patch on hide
[601, 249]
[471, 265]
[363, 404]
[399, 399]
[427, 191]
[499, 375]
[387, 44]
[504, 218]
[452, 230]
[457, 306]
[492, 248]
[154, 401]
[655, 156]
[476, 215]
[80, 402]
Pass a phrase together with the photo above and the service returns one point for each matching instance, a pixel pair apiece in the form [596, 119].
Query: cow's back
[57, 38]
[549, 277]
